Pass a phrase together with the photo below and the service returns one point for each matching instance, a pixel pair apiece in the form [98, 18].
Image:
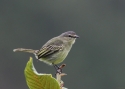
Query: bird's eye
[70, 35]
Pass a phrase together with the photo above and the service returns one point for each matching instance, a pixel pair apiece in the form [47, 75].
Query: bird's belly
[60, 57]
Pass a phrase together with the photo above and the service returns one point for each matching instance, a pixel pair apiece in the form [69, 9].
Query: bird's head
[69, 36]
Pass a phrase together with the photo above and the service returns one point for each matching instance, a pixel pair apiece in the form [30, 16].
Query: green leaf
[37, 80]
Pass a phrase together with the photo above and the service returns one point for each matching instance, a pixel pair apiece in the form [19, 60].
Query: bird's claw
[59, 70]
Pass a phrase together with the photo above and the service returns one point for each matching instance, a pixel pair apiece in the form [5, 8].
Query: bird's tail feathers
[25, 50]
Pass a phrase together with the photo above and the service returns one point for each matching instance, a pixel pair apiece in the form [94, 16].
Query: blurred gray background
[97, 59]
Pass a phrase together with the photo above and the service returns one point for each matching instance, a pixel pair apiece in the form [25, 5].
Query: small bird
[55, 50]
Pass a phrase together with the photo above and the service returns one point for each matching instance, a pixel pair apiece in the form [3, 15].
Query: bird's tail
[25, 50]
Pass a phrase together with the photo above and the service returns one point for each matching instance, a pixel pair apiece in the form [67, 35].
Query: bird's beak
[76, 36]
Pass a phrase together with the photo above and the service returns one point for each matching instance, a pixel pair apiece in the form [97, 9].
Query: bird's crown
[71, 34]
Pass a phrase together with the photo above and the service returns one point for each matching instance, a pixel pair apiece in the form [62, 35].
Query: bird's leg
[57, 66]
[58, 69]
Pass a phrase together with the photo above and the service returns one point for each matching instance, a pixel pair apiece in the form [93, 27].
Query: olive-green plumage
[55, 50]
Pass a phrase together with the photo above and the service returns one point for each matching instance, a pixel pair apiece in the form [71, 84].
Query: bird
[55, 50]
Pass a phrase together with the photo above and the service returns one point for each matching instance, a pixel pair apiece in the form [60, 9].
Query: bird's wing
[50, 48]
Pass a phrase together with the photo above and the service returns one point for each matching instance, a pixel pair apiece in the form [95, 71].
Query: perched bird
[55, 50]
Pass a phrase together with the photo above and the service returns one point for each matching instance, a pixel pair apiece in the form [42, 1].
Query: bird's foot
[59, 68]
